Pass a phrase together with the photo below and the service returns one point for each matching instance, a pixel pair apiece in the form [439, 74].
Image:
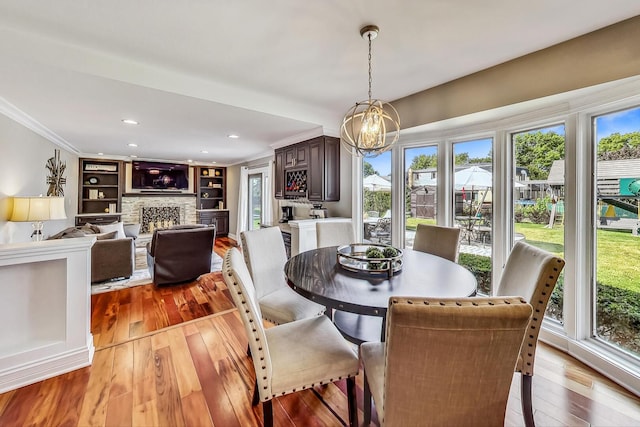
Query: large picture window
[538, 196]
[617, 250]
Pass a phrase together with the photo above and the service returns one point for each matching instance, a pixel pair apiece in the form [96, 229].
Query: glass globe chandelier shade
[370, 127]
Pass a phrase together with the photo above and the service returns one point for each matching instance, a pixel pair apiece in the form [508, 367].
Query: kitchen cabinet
[296, 156]
[279, 175]
[318, 180]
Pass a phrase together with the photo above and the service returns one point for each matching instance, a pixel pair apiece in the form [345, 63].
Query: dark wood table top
[316, 275]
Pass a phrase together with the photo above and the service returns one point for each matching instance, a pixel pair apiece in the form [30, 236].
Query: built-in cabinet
[219, 218]
[309, 169]
[101, 186]
[211, 188]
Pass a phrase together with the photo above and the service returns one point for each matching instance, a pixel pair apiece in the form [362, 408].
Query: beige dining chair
[531, 273]
[438, 240]
[290, 357]
[334, 233]
[265, 256]
[445, 362]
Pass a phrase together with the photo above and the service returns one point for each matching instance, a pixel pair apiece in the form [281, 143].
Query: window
[617, 251]
[473, 207]
[255, 201]
[421, 169]
[538, 196]
[376, 198]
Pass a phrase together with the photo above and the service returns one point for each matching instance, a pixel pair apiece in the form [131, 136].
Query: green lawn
[618, 253]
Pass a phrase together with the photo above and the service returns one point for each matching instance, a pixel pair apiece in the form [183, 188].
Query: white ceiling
[273, 72]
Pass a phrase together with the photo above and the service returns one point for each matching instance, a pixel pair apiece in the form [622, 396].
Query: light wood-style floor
[195, 372]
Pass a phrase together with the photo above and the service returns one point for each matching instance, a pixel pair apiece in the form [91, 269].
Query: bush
[480, 266]
[538, 213]
[379, 201]
[618, 316]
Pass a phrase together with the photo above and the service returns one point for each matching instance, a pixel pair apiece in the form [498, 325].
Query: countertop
[284, 227]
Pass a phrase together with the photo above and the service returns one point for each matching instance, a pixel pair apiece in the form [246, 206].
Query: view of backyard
[538, 211]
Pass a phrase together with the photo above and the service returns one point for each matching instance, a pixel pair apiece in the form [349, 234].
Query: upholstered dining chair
[445, 362]
[265, 256]
[293, 356]
[531, 273]
[334, 233]
[438, 240]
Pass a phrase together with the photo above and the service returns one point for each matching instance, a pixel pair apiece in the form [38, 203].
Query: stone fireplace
[158, 211]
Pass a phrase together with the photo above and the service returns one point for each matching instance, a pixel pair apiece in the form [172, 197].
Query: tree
[424, 161]
[367, 169]
[616, 146]
[536, 151]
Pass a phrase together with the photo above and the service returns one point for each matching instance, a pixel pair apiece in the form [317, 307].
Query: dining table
[358, 301]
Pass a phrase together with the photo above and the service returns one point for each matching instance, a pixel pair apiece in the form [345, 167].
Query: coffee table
[316, 275]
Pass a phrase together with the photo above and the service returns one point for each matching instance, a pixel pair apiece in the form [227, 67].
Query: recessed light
[100, 154]
[233, 136]
[190, 161]
[129, 121]
[213, 163]
[133, 156]
[132, 144]
[204, 152]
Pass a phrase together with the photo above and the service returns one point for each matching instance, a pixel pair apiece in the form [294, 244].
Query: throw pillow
[107, 236]
[116, 226]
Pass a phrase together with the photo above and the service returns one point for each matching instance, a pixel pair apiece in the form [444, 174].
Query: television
[159, 176]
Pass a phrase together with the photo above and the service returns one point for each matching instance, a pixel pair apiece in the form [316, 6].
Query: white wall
[24, 155]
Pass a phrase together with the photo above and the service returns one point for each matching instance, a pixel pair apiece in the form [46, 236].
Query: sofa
[111, 257]
[181, 253]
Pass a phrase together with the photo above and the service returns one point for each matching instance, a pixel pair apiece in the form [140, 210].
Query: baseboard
[39, 370]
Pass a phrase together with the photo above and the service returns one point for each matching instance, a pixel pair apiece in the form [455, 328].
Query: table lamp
[37, 209]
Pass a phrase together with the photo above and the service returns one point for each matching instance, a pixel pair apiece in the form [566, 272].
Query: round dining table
[358, 301]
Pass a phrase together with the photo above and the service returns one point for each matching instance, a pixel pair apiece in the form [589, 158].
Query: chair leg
[352, 402]
[267, 413]
[256, 395]
[248, 350]
[525, 397]
[366, 401]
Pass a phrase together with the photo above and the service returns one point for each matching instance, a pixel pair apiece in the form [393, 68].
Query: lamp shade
[37, 209]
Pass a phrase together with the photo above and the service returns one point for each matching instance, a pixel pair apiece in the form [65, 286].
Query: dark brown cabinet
[318, 180]
[100, 186]
[211, 188]
[296, 156]
[279, 176]
[219, 218]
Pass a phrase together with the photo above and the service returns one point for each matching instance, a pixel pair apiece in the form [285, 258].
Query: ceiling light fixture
[204, 152]
[233, 136]
[132, 144]
[130, 121]
[366, 125]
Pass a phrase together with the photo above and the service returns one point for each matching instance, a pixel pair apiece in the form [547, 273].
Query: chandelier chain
[369, 37]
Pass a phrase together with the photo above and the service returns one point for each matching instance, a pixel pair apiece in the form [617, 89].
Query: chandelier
[366, 125]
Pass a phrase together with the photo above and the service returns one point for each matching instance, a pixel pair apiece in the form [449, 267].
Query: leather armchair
[112, 258]
[180, 254]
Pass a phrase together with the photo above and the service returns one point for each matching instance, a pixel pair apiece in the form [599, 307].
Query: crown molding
[14, 113]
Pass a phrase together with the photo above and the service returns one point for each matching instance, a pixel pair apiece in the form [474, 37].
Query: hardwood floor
[196, 373]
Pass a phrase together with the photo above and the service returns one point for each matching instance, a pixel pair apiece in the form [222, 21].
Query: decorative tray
[370, 259]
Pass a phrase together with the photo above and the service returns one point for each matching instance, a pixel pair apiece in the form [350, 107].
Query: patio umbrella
[376, 183]
[473, 177]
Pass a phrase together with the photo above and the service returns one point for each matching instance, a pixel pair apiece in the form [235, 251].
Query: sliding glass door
[421, 170]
